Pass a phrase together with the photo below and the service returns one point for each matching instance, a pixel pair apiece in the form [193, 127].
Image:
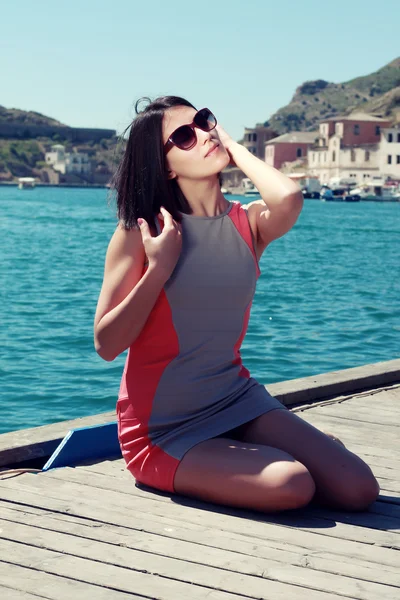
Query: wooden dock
[89, 533]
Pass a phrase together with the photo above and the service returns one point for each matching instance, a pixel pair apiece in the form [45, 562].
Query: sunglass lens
[184, 137]
[205, 120]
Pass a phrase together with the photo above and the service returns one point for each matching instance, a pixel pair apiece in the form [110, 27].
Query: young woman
[180, 275]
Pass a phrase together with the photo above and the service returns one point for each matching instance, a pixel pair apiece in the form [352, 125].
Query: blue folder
[97, 442]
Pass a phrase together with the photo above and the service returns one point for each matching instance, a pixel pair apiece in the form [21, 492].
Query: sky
[86, 62]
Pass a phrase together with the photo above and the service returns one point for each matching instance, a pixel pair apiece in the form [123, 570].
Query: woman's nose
[204, 136]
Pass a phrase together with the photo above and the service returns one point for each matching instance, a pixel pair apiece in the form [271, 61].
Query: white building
[348, 148]
[389, 158]
[56, 158]
[78, 163]
[68, 162]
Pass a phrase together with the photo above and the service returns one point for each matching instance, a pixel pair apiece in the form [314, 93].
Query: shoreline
[233, 192]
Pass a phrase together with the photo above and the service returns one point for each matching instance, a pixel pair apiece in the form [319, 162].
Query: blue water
[327, 299]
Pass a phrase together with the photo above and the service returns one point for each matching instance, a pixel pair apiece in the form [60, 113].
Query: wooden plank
[250, 542]
[289, 552]
[41, 442]
[103, 482]
[335, 383]
[372, 429]
[99, 575]
[368, 436]
[118, 470]
[193, 511]
[9, 594]
[284, 566]
[357, 416]
[35, 582]
[92, 561]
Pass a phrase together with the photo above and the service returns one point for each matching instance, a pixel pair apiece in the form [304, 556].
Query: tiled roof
[295, 137]
[358, 116]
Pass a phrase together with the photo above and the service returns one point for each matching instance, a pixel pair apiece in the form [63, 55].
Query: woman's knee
[360, 493]
[294, 485]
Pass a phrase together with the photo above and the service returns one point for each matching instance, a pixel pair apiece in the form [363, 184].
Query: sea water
[328, 299]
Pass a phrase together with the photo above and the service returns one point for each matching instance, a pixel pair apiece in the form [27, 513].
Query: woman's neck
[204, 197]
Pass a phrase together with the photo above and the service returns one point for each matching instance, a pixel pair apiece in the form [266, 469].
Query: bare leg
[342, 479]
[245, 475]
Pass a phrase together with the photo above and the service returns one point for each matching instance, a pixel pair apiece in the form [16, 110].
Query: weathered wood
[196, 512]
[41, 442]
[331, 552]
[130, 570]
[366, 519]
[289, 567]
[35, 582]
[346, 381]
[11, 594]
[368, 436]
[358, 416]
[89, 526]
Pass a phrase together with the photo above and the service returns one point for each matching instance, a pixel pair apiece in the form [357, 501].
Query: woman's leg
[245, 475]
[342, 479]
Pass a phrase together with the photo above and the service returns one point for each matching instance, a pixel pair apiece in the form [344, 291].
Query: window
[353, 156]
[333, 156]
[254, 137]
[356, 130]
[398, 138]
[390, 137]
[298, 152]
[398, 159]
[366, 155]
[389, 159]
[377, 130]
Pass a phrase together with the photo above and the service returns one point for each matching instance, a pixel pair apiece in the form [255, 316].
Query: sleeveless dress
[183, 381]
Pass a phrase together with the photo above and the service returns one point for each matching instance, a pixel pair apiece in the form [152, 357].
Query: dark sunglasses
[185, 136]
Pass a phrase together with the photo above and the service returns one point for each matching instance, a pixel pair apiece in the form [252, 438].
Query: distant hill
[377, 93]
[14, 115]
[24, 156]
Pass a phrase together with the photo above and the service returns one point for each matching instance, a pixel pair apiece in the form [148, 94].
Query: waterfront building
[254, 139]
[289, 148]
[389, 156]
[56, 158]
[348, 147]
[76, 163]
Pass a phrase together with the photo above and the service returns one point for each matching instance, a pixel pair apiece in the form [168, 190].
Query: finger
[144, 229]
[167, 216]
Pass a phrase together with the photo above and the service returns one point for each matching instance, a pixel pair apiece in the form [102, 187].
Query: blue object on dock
[86, 443]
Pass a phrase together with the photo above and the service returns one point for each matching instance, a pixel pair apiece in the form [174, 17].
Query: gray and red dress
[184, 381]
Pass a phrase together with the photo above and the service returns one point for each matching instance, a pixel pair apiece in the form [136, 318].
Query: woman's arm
[127, 297]
[282, 199]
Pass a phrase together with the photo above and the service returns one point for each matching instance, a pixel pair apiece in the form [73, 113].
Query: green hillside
[315, 100]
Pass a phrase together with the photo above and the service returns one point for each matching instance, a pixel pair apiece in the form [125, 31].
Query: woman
[179, 278]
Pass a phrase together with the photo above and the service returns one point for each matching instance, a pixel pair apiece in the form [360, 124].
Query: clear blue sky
[85, 62]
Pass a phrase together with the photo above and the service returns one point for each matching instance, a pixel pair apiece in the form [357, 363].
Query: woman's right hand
[164, 250]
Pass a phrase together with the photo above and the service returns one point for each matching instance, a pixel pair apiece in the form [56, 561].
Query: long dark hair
[141, 179]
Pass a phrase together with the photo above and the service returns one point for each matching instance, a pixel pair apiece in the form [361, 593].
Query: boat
[26, 183]
[377, 190]
[248, 188]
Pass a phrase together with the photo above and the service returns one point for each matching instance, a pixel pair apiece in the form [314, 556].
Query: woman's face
[207, 158]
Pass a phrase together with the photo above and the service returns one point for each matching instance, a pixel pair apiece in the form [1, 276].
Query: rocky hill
[14, 115]
[378, 93]
[26, 157]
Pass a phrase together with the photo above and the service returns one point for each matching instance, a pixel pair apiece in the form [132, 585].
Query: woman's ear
[171, 174]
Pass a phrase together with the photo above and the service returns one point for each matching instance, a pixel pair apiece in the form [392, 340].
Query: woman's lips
[212, 150]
